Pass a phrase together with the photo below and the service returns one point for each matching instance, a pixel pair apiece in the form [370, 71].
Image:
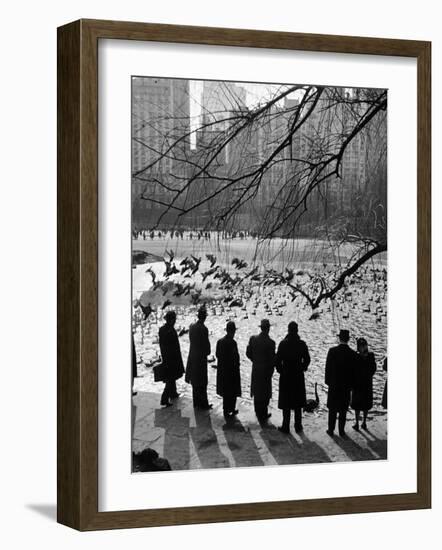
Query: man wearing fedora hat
[171, 358]
[261, 351]
[196, 368]
[228, 376]
[292, 360]
[339, 372]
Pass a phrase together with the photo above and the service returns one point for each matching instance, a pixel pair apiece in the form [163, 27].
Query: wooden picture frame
[77, 459]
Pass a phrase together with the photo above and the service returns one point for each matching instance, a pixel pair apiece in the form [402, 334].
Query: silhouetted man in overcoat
[196, 369]
[261, 351]
[171, 357]
[134, 365]
[292, 360]
[339, 373]
[228, 377]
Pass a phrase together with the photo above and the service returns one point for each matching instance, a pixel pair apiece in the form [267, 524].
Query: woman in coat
[171, 357]
[228, 377]
[362, 392]
[292, 360]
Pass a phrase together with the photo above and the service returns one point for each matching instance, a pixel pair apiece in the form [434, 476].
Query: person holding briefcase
[173, 367]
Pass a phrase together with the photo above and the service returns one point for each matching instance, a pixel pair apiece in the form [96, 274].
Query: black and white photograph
[226, 215]
[259, 274]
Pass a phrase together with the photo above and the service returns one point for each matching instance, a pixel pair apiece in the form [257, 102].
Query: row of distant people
[189, 234]
[348, 373]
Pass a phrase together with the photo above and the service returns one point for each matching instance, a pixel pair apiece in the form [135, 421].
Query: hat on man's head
[230, 327]
[265, 323]
[202, 311]
[170, 314]
[344, 335]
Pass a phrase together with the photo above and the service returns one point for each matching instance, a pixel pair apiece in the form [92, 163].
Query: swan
[312, 404]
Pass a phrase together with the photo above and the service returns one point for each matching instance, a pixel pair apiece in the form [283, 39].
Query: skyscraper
[160, 124]
[219, 99]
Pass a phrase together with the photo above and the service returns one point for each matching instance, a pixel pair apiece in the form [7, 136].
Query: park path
[192, 439]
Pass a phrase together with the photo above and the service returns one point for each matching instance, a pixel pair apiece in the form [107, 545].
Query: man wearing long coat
[339, 374]
[261, 351]
[292, 360]
[384, 394]
[134, 363]
[171, 358]
[196, 369]
[228, 377]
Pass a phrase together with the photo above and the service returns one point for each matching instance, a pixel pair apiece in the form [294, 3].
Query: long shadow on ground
[285, 449]
[379, 446]
[242, 445]
[353, 450]
[176, 436]
[206, 443]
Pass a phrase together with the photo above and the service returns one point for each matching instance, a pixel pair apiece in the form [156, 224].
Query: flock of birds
[242, 293]
[235, 285]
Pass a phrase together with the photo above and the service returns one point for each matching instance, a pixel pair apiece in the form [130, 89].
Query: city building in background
[170, 147]
[259, 274]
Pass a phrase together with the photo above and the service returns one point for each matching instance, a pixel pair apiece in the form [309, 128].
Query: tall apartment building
[219, 99]
[326, 128]
[160, 117]
[255, 147]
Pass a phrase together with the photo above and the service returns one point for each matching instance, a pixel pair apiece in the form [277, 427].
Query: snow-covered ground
[362, 308]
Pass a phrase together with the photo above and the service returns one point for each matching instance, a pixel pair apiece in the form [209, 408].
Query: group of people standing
[349, 377]
[348, 373]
